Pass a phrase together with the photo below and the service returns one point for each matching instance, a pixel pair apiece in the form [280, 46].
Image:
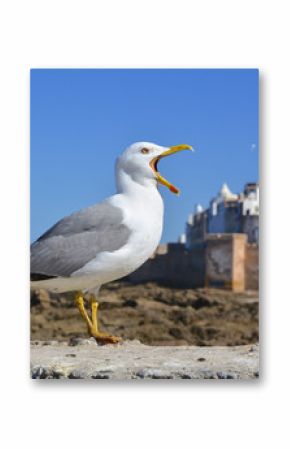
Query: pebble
[100, 375]
[41, 372]
[224, 375]
[50, 343]
[186, 376]
[76, 341]
[152, 374]
[77, 374]
[207, 374]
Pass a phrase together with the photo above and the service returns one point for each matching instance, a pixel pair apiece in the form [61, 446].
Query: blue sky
[81, 120]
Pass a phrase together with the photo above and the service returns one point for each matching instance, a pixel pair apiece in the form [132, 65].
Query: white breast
[143, 215]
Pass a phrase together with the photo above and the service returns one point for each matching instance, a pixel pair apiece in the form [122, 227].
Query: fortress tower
[228, 213]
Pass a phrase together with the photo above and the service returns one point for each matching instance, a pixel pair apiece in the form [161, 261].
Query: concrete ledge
[132, 360]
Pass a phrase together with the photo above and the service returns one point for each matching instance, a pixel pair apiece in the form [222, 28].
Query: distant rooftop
[225, 194]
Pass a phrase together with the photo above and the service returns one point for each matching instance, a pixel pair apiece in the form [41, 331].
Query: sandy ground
[154, 315]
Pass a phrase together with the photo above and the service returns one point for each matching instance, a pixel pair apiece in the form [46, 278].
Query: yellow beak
[154, 162]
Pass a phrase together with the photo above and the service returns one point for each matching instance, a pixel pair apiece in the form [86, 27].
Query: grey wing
[77, 239]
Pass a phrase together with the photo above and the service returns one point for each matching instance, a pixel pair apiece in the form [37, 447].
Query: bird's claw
[103, 338]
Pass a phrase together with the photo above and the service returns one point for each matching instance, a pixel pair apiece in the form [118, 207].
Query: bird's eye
[145, 151]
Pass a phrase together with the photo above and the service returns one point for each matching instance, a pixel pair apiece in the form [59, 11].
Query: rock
[101, 375]
[50, 343]
[58, 373]
[75, 341]
[153, 374]
[77, 374]
[132, 360]
[223, 375]
[176, 333]
[149, 312]
[207, 374]
[130, 303]
[41, 372]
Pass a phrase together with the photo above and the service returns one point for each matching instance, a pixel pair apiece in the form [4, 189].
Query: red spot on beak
[173, 189]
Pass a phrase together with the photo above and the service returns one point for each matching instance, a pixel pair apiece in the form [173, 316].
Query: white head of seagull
[138, 164]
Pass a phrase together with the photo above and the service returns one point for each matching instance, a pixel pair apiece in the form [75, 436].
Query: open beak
[155, 160]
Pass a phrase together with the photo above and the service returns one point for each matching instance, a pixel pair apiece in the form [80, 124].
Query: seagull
[108, 240]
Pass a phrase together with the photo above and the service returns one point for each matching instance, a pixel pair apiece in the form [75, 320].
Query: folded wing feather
[75, 240]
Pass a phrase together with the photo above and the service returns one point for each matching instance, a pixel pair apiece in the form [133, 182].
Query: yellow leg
[79, 301]
[92, 324]
[94, 331]
[94, 308]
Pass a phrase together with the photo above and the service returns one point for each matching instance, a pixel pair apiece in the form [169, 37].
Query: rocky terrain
[85, 359]
[153, 315]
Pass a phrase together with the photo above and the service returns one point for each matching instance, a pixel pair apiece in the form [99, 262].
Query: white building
[228, 213]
